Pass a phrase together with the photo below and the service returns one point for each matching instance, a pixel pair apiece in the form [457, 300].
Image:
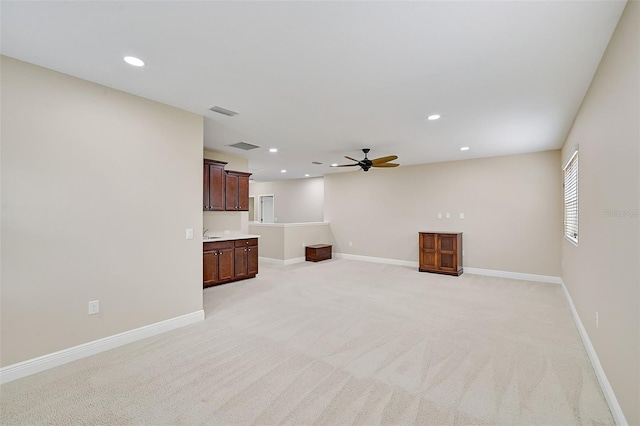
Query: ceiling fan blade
[347, 165]
[383, 159]
[352, 159]
[385, 165]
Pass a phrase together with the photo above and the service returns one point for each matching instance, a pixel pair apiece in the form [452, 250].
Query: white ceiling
[320, 80]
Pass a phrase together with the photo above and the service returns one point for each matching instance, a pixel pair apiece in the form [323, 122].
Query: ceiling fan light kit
[365, 164]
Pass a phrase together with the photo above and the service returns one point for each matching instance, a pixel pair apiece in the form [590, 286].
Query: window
[571, 199]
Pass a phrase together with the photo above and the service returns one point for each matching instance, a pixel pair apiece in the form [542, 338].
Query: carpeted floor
[337, 343]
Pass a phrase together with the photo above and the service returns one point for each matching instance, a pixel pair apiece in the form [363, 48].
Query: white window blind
[571, 199]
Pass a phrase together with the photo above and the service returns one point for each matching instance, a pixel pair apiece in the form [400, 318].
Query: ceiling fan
[366, 164]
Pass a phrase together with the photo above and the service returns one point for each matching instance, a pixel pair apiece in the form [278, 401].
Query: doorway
[266, 209]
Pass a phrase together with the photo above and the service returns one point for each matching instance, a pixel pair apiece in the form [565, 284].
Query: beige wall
[238, 164]
[601, 273]
[511, 206]
[295, 201]
[98, 187]
[219, 222]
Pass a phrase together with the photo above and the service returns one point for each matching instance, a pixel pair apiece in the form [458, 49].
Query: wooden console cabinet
[226, 261]
[440, 252]
[317, 252]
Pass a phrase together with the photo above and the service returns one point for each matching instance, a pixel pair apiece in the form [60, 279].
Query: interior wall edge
[65, 356]
[607, 390]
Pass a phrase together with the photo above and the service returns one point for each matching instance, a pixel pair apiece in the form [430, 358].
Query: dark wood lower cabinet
[246, 258]
[217, 260]
[226, 261]
[440, 252]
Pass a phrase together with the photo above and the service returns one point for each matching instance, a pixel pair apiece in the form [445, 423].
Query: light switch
[189, 235]
[439, 215]
[461, 215]
[448, 215]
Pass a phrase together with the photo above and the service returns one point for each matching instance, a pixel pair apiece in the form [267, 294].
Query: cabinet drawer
[247, 242]
[218, 245]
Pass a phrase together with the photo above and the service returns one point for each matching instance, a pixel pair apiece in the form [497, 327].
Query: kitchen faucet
[205, 231]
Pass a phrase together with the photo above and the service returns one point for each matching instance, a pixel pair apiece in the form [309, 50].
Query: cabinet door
[240, 262]
[243, 193]
[206, 199]
[252, 260]
[231, 192]
[225, 262]
[447, 249]
[216, 188]
[210, 268]
[428, 251]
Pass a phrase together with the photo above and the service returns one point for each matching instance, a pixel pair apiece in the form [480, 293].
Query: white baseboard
[375, 259]
[607, 390]
[514, 275]
[272, 261]
[45, 362]
[476, 271]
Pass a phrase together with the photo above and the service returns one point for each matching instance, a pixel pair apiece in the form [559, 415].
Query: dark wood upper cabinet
[224, 189]
[440, 252]
[237, 191]
[213, 185]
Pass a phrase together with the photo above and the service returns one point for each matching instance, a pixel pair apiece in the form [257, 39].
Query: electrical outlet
[461, 215]
[448, 215]
[350, 243]
[439, 215]
[189, 234]
[597, 320]
[94, 307]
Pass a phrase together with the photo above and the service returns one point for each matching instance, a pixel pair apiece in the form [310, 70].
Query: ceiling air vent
[223, 111]
[245, 146]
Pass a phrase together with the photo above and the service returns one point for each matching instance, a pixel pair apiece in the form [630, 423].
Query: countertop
[228, 237]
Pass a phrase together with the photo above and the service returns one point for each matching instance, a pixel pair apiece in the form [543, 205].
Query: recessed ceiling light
[334, 165]
[132, 60]
[283, 171]
[273, 149]
[464, 148]
[433, 117]
[307, 175]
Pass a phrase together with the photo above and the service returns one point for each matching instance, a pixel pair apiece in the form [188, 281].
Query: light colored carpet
[337, 343]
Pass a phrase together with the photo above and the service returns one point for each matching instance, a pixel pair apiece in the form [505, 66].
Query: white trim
[570, 158]
[287, 225]
[376, 259]
[607, 390]
[284, 262]
[45, 362]
[514, 275]
[270, 261]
